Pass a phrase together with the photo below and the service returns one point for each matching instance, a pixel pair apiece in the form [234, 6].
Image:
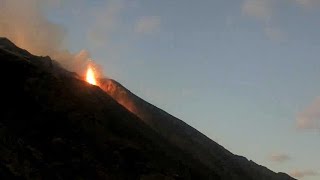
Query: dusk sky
[246, 73]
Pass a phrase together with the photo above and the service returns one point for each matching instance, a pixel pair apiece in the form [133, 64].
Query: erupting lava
[90, 77]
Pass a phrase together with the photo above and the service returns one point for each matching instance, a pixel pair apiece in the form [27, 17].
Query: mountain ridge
[53, 120]
[194, 142]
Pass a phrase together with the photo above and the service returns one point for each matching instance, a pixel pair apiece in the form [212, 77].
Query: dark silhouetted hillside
[53, 125]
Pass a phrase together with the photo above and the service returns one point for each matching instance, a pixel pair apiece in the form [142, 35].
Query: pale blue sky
[238, 71]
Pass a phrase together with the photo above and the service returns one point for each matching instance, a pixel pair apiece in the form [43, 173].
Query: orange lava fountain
[90, 77]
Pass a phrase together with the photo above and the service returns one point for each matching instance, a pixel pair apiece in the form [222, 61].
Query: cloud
[310, 117]
[308, 3]
[147, 24]
[185, 92]
[263, 10]
[275, 34]
[304, 173]
[105, 22]
[279, 158]
[267, 11]
[260, 9]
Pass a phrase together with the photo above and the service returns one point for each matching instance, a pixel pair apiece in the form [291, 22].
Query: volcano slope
[53, 125]
[225, 164]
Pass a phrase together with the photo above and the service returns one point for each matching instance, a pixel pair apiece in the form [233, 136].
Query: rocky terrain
[54, 125]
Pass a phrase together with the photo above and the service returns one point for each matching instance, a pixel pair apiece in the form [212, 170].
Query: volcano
[54, 125]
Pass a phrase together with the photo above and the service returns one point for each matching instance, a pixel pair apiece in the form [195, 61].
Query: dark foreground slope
[56, 126]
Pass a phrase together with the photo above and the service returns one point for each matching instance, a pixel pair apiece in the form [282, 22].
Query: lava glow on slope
[90, 76]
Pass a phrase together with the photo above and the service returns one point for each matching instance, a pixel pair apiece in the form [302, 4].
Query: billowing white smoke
[24, 23]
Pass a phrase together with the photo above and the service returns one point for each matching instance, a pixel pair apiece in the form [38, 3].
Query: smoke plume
[25, 24]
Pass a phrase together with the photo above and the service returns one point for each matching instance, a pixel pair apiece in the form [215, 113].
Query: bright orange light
[90, 78]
